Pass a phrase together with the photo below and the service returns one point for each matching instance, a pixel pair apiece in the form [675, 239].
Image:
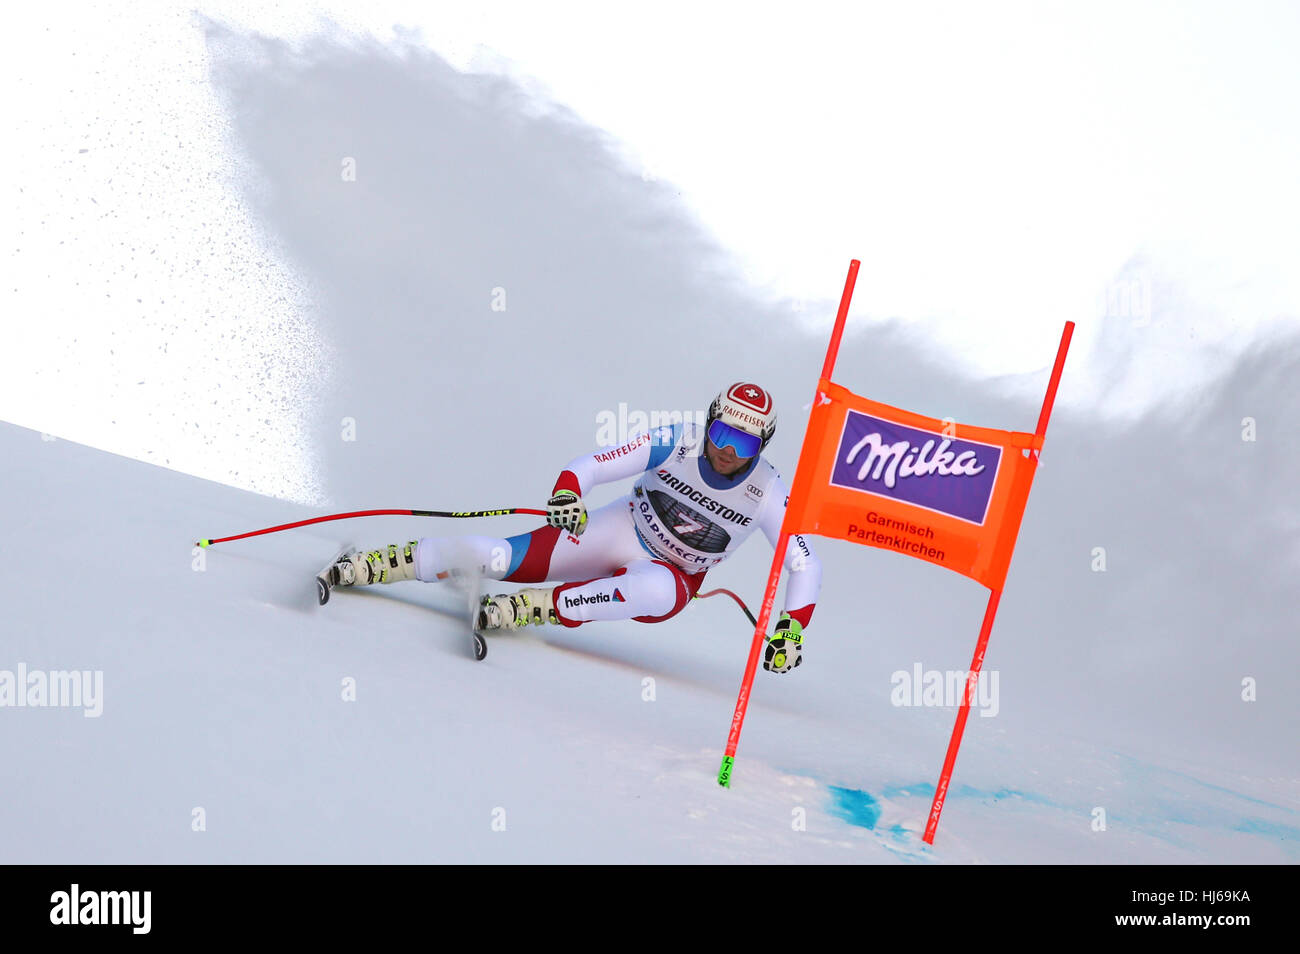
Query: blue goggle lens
[742, 442]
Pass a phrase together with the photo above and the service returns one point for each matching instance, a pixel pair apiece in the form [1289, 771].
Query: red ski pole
[374, 513]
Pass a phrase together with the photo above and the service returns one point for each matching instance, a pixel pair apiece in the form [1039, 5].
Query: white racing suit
[644, 555]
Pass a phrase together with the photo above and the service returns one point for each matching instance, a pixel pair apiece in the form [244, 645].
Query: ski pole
[739, 602]
[375, 513]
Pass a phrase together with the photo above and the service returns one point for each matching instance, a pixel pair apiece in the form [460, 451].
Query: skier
[699, 494]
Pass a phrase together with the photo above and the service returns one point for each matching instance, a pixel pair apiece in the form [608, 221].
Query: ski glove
[785, 646]
[566, 511]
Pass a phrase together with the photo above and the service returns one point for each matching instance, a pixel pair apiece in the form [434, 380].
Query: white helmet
[745, 407]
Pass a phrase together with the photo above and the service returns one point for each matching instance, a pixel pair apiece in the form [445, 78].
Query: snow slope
[224, 683]
[223, 690]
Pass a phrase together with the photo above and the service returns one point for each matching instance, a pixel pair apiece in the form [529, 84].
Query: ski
[478, 641]
[328, 576]
[467, 583]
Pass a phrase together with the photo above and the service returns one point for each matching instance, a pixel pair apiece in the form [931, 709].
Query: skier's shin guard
[392, 564]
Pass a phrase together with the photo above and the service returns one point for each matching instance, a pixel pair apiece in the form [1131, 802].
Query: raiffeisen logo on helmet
[748, 404]
[741, 416]
[926, 468]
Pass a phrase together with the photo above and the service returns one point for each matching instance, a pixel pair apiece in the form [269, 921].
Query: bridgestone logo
[705, 502]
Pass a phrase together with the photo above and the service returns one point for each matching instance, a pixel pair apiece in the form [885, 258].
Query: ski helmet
[745, 407]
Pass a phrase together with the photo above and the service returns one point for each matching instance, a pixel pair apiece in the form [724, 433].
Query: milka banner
[932, 489]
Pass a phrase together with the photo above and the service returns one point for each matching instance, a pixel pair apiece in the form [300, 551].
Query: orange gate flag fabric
[936, 490]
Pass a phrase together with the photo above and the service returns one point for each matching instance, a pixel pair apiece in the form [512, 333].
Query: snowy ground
[223, 690]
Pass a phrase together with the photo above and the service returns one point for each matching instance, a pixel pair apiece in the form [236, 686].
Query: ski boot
[390, 565]
[517, 610]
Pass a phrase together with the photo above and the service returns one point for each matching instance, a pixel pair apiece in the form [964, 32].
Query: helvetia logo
[618, 597]
[102, 907]
[571, 601]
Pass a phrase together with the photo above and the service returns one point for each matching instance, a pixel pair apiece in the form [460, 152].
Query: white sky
[992, 165]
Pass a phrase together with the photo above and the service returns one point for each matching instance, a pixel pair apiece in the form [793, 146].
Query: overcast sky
[998, 168]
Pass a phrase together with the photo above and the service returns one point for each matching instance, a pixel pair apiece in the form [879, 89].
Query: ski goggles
[742, 442]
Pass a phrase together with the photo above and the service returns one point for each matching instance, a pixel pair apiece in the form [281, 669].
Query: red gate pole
[972, 677]
[778, 558]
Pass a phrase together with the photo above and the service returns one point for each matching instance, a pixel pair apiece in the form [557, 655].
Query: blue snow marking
[916, 789]
[518, 547]
[1148, 770]
[1258, 826]
[861, 809]
[967, 791]
[854, 806]
[1160, 811]
[926, 790]
[661, 445]
[1166, 807]
[1157, 807]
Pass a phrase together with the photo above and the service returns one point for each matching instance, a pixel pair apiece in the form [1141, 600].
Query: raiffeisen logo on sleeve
[925, 468]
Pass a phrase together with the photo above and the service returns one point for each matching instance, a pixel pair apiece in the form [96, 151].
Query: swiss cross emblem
[752, 396]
